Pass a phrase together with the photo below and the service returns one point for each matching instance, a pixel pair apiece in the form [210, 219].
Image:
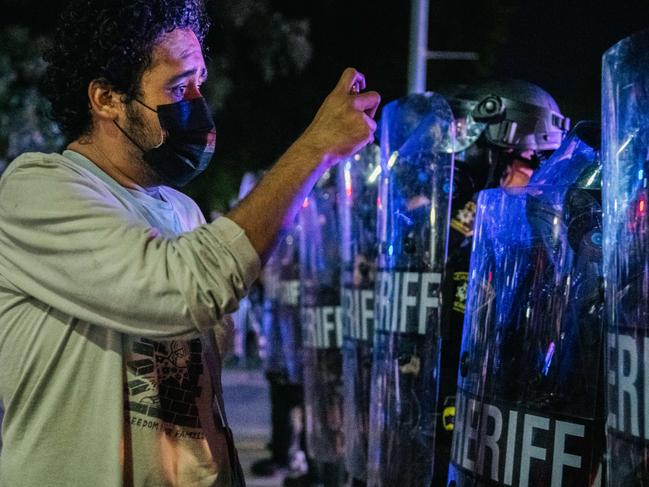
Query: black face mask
[189, 141]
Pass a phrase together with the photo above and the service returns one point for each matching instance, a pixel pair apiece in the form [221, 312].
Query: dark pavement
[248, 410]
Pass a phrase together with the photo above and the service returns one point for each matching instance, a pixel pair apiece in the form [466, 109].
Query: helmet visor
[467, 130]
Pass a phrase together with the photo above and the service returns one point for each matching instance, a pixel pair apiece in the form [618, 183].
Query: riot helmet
[498, 122]
[512, 114]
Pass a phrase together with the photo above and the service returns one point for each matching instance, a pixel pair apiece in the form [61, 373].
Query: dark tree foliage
[24, 122]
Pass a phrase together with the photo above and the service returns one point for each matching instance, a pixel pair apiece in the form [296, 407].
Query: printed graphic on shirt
[163, 380]
[463, 219]
[461, 283]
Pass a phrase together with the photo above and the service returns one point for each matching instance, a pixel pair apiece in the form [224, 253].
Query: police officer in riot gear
[530, 385]
[504, 130]
[283, 364]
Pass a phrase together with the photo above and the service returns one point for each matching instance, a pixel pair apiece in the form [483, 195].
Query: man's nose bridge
[193, 91]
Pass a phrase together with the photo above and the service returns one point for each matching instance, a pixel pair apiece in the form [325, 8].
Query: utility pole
[419, 54]
[418, 46]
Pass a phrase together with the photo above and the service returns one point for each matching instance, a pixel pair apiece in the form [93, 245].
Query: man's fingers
[370, 123]
[367, 102]
[372, 111]
[345, 120]
[347, 80]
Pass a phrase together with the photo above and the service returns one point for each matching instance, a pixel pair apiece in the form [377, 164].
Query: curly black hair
[111, 40]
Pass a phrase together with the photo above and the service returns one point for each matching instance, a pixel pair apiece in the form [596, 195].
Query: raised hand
[344, 123]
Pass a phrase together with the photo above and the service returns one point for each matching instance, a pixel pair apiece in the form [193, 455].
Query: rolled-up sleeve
[73, 244]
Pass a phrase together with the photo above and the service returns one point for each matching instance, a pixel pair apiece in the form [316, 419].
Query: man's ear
[105, 103]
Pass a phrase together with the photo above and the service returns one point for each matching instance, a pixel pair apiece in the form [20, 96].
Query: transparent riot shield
[320, 270]
[413, 219]
[575, 162]
[529, 404]
[282, 327]
[625, 152]
[284, 353]
[288, 300]
[271, 347]
[358, 181]
[248, 319]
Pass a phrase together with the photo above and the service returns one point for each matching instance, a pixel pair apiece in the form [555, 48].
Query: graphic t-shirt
[108, 298]
[168, 397]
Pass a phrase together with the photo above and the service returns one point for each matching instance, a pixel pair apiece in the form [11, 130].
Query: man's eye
[178, 91]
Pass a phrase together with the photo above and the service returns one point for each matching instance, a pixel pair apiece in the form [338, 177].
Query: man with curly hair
[112, 286]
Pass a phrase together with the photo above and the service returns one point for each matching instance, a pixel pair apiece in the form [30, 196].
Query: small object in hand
[356, 89]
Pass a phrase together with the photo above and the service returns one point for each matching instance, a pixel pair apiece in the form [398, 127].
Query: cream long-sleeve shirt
[105, 293]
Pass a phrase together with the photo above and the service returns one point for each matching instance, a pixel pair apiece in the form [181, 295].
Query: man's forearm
[274, 202]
